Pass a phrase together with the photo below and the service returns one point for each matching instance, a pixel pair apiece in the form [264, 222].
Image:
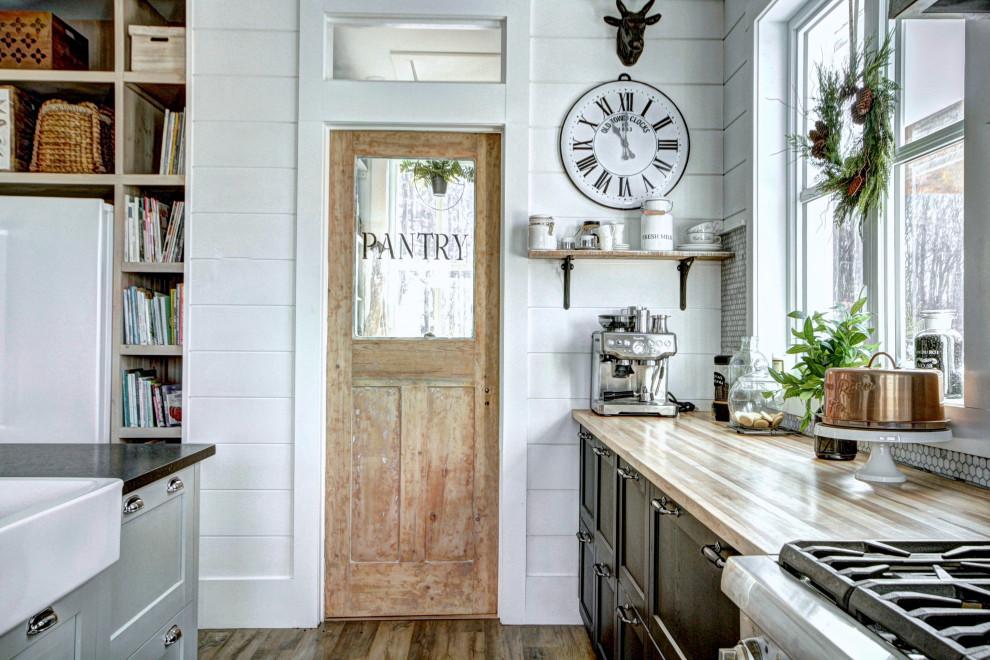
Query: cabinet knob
[133, 505]
[174, 485]
[584, 537]
[663, 507]
[627, 615]
[173, 635]
[41, 622]
[602, 570]
[713, 553]
[601, 451]
[626, 473]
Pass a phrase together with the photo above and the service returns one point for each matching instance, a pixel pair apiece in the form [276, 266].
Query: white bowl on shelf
[707, 238]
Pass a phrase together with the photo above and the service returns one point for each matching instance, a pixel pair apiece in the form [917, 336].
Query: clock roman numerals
[646, 108]
[626, 101]
[662, 165]
[647, 184]
[603, 105]
[582, 120]
[624, 188]
[587, 164]
[603, 181]
[666, 121]
[581, 145]
[667, 145]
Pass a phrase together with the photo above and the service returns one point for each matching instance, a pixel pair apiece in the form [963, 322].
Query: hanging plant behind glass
[438, 173]
[856, 178]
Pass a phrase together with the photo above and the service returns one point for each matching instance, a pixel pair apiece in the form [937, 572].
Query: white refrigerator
[55, 313]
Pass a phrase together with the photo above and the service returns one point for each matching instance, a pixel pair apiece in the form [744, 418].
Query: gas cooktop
[929, 599]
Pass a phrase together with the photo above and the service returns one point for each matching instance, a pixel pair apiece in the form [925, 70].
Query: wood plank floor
[400, 640]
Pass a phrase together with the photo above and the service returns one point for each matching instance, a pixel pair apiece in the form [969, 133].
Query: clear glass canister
[756, 402]
[747, 359]
[940, 346]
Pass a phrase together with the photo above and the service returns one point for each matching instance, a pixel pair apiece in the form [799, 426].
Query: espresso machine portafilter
[629, 369]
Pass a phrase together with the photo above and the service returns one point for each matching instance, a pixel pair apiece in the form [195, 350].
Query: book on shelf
[149, 403]
[153, 230]
[152, 318]
[173, 158]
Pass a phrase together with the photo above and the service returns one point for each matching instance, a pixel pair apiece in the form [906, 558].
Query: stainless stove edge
[797, 619]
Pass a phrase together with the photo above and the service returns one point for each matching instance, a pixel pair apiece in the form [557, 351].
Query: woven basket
[73, 137]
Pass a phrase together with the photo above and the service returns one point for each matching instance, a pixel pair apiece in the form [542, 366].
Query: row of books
[153, 230]
[153, 318]
[173, 158]
[149, 403]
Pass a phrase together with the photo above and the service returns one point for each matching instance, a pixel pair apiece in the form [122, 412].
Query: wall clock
[623, 142]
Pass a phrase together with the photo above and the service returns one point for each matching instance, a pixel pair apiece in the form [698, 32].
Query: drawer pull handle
[663, 507]
[133, 505]
[174, 486]
[601, 451]
[602, 570]
[626, 473]
[625, 617]
[584, 435]
[584, 537]
[713, 553]
[173, 635]
[41, 622]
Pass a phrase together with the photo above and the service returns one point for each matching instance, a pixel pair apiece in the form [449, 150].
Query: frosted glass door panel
[414, 257]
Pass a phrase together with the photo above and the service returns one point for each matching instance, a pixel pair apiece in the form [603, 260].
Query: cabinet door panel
[589, 467]
[605, 599]
[586, 579]
[687, 608]
[175, 640]
[631, 637]
[633, 533]
[606, 514]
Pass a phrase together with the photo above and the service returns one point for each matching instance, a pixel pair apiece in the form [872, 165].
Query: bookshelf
[139, 100]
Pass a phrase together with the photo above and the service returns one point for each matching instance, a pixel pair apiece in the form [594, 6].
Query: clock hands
[627, 153]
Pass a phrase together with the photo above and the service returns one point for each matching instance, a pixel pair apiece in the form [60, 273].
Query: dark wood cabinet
[650, 573]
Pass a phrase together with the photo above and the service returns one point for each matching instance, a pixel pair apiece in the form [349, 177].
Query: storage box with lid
[158, 48]
[40, 40]
[18, 111]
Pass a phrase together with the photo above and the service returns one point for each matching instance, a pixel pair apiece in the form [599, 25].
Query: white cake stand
[881, 467]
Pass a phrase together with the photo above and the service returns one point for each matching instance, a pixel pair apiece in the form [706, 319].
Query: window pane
[414, 50]
[932, 231]
[833, 259]
[826, 44]
[934, 67]
[414, 255]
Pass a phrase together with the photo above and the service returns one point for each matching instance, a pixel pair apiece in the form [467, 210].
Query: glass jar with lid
[747, 359]
[756, 402]
[939, 346]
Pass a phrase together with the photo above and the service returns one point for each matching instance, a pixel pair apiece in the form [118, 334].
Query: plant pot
[832, 449]
[439, 185]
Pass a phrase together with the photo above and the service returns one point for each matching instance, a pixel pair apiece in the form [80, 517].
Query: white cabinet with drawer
[155, 579]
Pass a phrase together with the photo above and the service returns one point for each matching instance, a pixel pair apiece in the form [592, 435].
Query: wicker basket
[73, 137]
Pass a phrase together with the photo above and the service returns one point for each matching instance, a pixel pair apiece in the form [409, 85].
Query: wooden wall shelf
[138, 99]
[684, 258]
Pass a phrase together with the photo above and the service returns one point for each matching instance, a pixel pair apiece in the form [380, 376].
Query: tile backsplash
[734, 290]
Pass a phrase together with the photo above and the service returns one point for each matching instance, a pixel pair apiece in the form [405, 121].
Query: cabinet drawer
[632, 638]
[688, 615]
[174, 640]
[154, 578]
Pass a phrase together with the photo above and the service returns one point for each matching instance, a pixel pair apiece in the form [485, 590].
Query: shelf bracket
[684, 267]
[567, 265]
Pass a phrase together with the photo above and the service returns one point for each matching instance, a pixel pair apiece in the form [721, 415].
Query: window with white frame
[920, 232]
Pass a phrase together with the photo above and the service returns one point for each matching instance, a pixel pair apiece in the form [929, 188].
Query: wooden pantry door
[412, 377]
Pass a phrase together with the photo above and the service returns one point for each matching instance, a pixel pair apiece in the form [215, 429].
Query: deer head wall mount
[632, 27]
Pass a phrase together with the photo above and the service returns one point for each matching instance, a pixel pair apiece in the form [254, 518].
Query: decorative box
[18, 110]
[158, 48]
[40, 40]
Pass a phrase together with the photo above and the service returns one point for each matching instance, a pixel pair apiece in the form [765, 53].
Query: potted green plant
[438, 173]
[823, 341]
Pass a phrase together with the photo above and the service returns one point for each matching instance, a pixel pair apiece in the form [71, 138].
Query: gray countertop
[135, 465]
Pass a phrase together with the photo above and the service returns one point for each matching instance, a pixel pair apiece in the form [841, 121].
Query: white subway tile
[244, 144]
[246, 512]
[217, 420]
[233, 557]
[249, 467]
[550, 420]
[244, 190]
[551, 512]
[552, 601]
[242, 282]
[241, 328]
[246, 52]
[552, 555]
[245, 98]
[220, 374]
[242, 235]
[555, 467]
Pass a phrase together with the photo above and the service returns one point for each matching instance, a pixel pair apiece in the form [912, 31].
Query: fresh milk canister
[657, 225]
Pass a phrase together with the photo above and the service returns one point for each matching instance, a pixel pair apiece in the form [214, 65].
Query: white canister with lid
[541, 233]
[657, 225]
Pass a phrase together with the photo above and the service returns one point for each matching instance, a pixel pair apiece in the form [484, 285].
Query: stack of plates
[715, 246]
[620, 246]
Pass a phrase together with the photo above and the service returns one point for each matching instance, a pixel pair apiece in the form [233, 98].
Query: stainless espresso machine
[629, 360]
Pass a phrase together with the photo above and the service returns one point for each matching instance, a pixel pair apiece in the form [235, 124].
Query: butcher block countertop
[759, 492]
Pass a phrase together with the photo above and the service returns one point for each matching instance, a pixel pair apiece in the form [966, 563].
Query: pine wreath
[856, 177]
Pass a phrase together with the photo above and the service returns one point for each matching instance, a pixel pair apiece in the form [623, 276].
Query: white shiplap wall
[737, 113]
[572, 49]
[242, 301]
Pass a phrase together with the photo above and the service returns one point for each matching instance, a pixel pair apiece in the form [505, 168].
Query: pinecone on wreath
[818, 136]
[862, 105]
